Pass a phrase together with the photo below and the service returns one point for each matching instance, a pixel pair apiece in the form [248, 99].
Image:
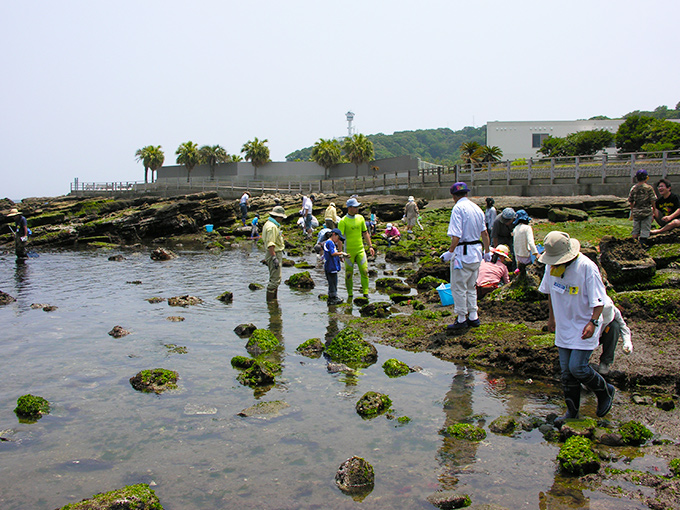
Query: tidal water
[191, 445]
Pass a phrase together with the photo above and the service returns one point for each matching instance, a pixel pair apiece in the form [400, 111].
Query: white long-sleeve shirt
[523, 240]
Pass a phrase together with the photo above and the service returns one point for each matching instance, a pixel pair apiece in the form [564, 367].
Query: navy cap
[337, 231]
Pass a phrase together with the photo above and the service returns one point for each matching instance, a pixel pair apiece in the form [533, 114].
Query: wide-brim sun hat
[559, 248]
[502, 250]
[353, 202]
[13, 212]
[279, 212]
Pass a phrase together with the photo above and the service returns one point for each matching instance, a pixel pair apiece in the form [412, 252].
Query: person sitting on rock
[495, 273]
[392, 234]
[666, 208]
[614, 327]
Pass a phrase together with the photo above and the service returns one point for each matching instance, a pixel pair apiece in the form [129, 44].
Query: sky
[85, 84]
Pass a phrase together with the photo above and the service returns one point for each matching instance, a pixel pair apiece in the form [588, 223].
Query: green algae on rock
[577, 456]
[355, 477]
[262, 341]
[312, 348]
[30, 408]
[395, 368]
[242, 362]
[465, 431]
[300, 281]
[349, 347]
[372, 404]
[260, 373]
[131, 497]
[156, 380]
[226, 297]
[634, 433]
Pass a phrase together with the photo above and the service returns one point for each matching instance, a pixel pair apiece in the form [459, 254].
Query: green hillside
[432, 145]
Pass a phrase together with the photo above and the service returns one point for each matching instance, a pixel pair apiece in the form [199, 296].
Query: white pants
[463, 289]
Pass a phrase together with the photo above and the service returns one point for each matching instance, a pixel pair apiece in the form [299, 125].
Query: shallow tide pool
[191, 445]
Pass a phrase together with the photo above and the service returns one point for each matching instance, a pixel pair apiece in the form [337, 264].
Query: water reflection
[563, 497]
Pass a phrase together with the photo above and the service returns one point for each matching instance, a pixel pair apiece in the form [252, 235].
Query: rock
[154, 300]
[261, 373]
[162, 254]
[395, 368]
[607, 437]
[185, 300]
[175, 318]
[262, 341]
[643, 400]
[335, 368]
[312, 348]
[429, 282]
[577, 457]
[399, 255]
[436, 268]
[118, 332]
[226, 297]
[624, 261]
[504, 425]
[379, 310]
[31, 408]
[135, 282]
[465, 431]
[399, 298]
[300, 281]
[348, 346]
[360, 301]
[394, 284]
[242, 362]
[5, 298]
[288, 263]
[355, 476]
[116, 258]
[49, 308]
[156, 380]
[244, 330]
[664, 254]
[561, 214]
[448, 500]
[634, 433]
[372, 404]
[265, 409]
[665, 403]
[255, 286]
[577, 427]
[131, 497]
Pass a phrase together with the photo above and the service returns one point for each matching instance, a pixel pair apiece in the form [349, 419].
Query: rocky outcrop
[625, 261]
[355, 476]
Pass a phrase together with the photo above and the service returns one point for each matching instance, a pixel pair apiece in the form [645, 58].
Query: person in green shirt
[273, 243]
[353, 228]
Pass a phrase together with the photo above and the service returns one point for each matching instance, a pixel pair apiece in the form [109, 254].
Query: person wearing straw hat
[576, 298]
[20, 233]
[273, 243]
[495, 273]
[469, 245]
[411, 214]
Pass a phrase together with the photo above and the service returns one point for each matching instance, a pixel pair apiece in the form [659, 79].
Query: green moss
[541, 341]
[674, 466]
[403, 420]
[260, 373]
[634, 433]
[159, 376]
[262, 341]
[31, 407]
[372, 404]
[465, 431]
[136, 497]
[395, 368]
[498, 330]
[430, 282]
[662, 303]
[242, 362]
[301, 281]
[349, 347]
[577, 456]
[226, 297]
[176, 349]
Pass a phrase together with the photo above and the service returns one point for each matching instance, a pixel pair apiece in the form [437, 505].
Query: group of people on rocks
[646, 207]
[580, 313]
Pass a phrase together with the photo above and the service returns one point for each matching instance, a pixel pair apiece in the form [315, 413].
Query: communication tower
[350, 118]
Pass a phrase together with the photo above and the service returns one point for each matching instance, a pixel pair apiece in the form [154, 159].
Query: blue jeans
[574, 366]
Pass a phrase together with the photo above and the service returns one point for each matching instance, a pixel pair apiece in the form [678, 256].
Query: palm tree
[152, 157]
[470, 152]
[327, 154]
[211, 156]
[234, 158]
[358, 150]
[188, 155]
[257, 153]
[490, 154]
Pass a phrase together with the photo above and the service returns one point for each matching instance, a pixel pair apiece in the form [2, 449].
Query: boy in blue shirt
[332, 265]
[255, 232]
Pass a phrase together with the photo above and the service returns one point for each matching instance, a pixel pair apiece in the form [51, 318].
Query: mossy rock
[578, 427]
[304, 265]
[262, 341]
[261, 373]
[662, 279]
[255, 286]
[393, 284]
[664, 254]
[400, 255]
[31, 408]
[674, 466]
[356, 477]
[634, 433]
[522, 289]
[561, 214]
[665, 403]
[395, 368]
[349, 347]
[380, 310]
[430, 282]
[6, 299]
[577, 456]
[244, 330]
[465, 431]
[399, 298]
[360, 301]
[185, 300]
[625, 261]
[156, 380]
[405, 271]
[373, 404]
[656, 305]
[288, 262]
[300, 281]
[504, 425]
[242, 362]
[312, 348]
[131, 497]
[226, 297]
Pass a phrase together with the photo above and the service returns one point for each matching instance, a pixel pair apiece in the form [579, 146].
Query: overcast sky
[87, 83]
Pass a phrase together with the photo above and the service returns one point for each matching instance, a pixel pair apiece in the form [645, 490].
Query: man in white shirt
[306, 213]
[576, 297]
[466, 252]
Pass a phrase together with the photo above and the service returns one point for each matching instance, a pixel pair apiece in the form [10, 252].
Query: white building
[522, 139]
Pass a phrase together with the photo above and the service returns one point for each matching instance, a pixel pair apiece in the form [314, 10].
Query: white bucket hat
[559, 248]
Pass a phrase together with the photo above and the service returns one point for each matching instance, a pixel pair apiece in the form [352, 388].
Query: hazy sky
[87, 83]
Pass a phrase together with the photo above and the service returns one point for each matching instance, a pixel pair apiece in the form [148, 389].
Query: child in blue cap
[332, 264]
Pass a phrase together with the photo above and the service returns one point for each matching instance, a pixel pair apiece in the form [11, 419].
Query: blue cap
[521, 216]
[353, 202]
[641, 174]
[459, 187]
[337, 231]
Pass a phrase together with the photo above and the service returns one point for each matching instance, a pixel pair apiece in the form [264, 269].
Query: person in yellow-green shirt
[353, 228]
[272, 239]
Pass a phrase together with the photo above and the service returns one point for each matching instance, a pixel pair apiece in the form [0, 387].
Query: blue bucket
[445, 294]
[208, 228]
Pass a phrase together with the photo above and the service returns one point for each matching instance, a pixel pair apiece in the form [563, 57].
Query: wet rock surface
[6, 299]
[355, 476]
[118, 332]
